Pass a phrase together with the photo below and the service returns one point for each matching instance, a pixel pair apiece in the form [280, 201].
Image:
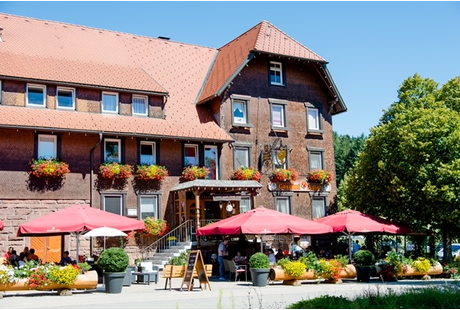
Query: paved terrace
[224, 295]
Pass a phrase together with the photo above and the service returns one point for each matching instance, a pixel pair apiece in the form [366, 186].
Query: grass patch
[442, 297]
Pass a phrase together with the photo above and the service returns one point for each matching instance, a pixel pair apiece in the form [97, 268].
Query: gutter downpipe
[91, 179]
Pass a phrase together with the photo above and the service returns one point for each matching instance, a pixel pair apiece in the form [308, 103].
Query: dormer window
[139, 105]
[276, 73]
[240, 109]
[109, 102]
[36, 95]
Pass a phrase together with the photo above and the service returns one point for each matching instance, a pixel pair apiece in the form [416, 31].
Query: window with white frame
[318, 207]
[191, 155]
[211, 162]
[313, 119]
[149, 206]
[279, 115]
[65, 98]
[283, 204]
[110, 102]
[36, 95]
[47, 146]
[276, 73]
[113, 203]
[240, 112]
[245, 204]
[112, 150]
[316, 159]
[139, 105]
[147, 153]
[242, 157]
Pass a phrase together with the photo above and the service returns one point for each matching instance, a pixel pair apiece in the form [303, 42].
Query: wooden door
[48, 249]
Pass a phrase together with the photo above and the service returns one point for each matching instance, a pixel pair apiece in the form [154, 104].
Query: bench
[171, 271]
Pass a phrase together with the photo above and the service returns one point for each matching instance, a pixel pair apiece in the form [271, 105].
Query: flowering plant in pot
[319, 176]
[49, 168]
[284, 175]
[151, 172]
[191, 173]
[246, 173]
[115, 170]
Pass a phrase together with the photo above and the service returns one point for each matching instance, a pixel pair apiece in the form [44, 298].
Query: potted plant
[284, 175]
[113, 262]
[319, 177]
[364, 262]
[115, 170]
[151, 172]
[260, 269]
[191, 173]
[245, 173]
[49, 168]
[172, 240]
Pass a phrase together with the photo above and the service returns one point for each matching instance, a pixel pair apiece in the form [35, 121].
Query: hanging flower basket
[284, 175]
[191, 173]
[319, 177]
[151, 172]
[245, 173]
[49, 168]
[115, 171]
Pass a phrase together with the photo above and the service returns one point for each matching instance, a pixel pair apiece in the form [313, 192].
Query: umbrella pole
[350, 247]
[78, 247]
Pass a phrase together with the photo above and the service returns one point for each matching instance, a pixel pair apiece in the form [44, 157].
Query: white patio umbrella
[104, 232]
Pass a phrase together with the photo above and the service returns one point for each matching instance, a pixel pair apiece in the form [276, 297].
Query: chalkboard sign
[195, 262]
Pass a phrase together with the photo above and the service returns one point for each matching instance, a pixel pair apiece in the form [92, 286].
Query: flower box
[115, 170]
[245, 173]
[284, 175]
[319, 177]
[49, 168]
[191, 173]
[151, 172]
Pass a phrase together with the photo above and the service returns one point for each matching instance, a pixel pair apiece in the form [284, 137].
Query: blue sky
[371, 47]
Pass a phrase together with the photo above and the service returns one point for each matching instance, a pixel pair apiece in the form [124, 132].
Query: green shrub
[311, 261]
[113, 260]
[343, 259]
[364, 258]
[180, 260]
[259, 261]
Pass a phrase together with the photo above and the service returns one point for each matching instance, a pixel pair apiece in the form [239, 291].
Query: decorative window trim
[154, 152]
[246, 101]
[273, 68]
[119, 149]
[72, 90]
[55, 142]
[36, 86]
[195, 146]
[146, 101]
[242, 146]
[284, 104]
[116, 105]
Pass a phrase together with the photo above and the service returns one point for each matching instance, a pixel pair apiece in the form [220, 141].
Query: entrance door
[48, 249]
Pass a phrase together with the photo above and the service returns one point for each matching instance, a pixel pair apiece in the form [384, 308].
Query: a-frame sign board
[195, 262]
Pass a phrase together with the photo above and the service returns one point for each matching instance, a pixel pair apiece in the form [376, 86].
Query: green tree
[409, 170]
[346, 150]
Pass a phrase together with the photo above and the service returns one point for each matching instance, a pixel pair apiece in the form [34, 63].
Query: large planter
[363, 273]
[278, 274]
[348, 272]
[412, 272]
[83, 281]
[259, 276]
[113, 282]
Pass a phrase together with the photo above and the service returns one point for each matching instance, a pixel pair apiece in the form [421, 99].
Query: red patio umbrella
[77, 219]
[263, 221]
[352, 222]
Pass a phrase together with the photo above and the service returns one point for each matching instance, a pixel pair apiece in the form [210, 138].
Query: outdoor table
[146, 274]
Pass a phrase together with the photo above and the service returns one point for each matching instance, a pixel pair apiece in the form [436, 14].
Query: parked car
[455, 251]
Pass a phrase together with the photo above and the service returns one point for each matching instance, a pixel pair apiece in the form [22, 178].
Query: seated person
[271, 255]
[239, 259]
[279, 254]
[66, 259]
[22, 259]
[33, 256]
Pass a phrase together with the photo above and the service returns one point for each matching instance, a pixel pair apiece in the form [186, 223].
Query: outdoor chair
[237, 270]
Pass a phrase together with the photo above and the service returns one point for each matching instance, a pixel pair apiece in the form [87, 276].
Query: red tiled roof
[62, 53]
[265, 38]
